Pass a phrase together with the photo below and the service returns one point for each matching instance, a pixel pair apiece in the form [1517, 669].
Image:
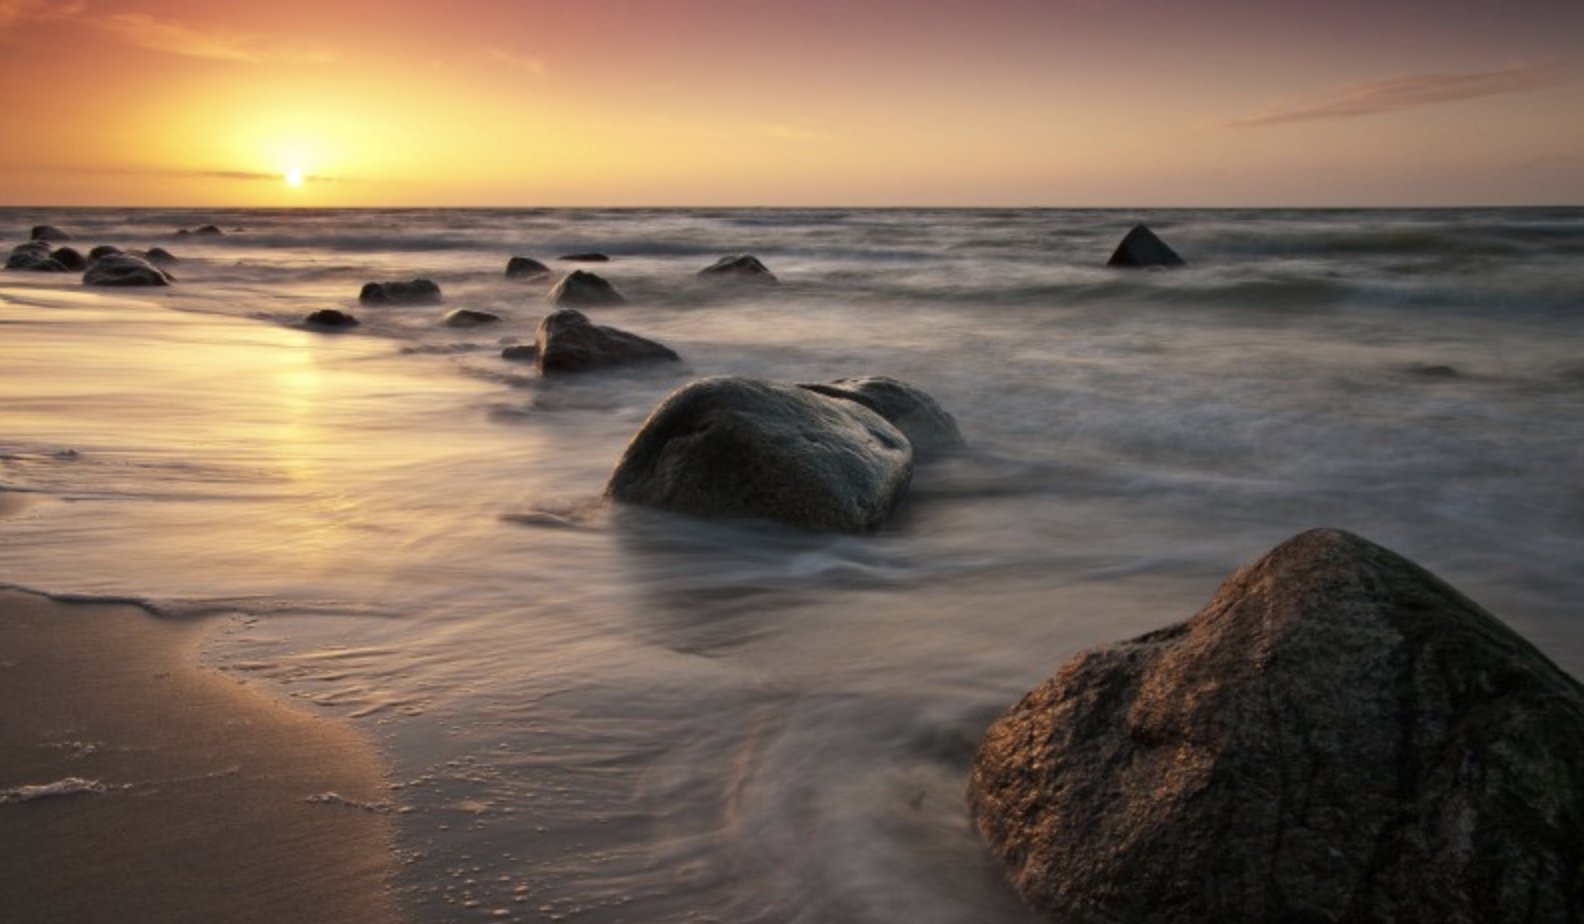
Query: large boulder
[932, 431]
[48, 233]
[738, 447]
[415, 292]
[34, 256]
[525, 268]
[579, 289]
[69, 258]
[1141, 248]
[123, 269]
[1337, 736]
[567, 341]
[740, 267]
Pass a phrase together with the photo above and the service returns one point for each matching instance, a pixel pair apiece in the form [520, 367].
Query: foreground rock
[931, 430]
[525, 268]
[1141, 248]
[330, 319]
[48, 233]
[123, 269]
[567, 341]
[741, 267]
[415, 292]
[468, 317]
[1336, 736]
[737, 447]
[584, 290]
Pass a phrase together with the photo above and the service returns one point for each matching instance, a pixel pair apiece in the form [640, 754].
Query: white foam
[71, 786]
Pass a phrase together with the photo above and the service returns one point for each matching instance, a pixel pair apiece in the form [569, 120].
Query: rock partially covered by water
[104, 250]
[33, 257]
[567, 341]
[159, 255]
[525, 268]
[740, 267]
[415, 292]
[48, 233]
[123, 269]
[588, 257]
[932, 431]
[1336, 736]
[584, 290]
[1141, 248]
[468, 317]
[70, 258]
[738, 447]
[331, 319]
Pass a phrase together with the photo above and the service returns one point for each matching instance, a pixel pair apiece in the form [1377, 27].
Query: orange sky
[749, 102]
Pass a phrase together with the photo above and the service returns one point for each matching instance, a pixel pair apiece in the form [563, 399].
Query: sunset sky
[752, 102]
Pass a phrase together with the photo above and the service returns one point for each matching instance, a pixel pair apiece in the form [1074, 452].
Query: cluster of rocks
[104, 265]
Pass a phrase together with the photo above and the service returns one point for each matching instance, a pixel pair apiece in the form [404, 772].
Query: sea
[598, 713]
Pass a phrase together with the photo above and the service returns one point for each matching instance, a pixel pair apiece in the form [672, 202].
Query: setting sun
[294, 177]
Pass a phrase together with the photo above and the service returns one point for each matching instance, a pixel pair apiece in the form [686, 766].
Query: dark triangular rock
[567, 341]
[1141, 248]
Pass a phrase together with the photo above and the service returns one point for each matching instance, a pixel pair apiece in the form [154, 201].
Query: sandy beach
[175, 793]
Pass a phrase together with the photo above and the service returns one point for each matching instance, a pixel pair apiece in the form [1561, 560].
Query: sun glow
[294, 177]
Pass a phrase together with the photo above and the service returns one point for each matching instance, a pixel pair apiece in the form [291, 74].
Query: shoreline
[139, 785]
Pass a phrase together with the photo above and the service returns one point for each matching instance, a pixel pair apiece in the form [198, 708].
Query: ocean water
[602, 714]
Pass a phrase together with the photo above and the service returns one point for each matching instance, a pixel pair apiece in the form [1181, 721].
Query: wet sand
[207, 810]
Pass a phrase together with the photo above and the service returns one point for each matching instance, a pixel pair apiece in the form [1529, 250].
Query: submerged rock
[741, 267]
[467, 317]
[33, 259]
[738, 447]
[104, 250]
[584, 257]
[525, 268]
[931, 430]
[331, 319]
[416, 292]
[1141, 248]
[567, 341]
[208, 231]
[70, 258]
[123, 269]
[1336, 736]
[48, 233]
[159, 255]
[584, 290]
[521, 352]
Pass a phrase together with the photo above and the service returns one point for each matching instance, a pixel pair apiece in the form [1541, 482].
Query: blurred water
[620, 715]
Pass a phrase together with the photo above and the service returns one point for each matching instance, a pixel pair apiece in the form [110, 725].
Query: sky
[792, 102]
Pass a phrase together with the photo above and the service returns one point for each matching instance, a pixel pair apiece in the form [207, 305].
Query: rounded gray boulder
[742, 267]
[932, 431]
[746, 448]
[414, 292]
[579, 289]
[1337, 736]
[123, 269]
[567, 341]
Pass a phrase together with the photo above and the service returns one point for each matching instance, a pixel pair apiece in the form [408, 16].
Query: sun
[294, 177]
